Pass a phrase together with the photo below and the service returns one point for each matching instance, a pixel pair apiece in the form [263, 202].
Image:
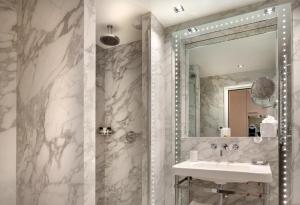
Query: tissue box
[225, 132]
[268, 129]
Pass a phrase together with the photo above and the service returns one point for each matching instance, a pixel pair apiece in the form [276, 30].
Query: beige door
[237, 107]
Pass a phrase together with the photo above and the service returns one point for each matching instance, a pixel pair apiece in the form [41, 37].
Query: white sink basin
[224, 172]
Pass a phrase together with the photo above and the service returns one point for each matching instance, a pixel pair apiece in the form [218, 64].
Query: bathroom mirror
[229, 83]
[229, 75]
[233, 57]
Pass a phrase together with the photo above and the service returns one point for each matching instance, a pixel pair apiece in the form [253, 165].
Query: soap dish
[259, 162]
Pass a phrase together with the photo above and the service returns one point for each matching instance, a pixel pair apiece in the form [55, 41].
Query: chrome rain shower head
[110, 39]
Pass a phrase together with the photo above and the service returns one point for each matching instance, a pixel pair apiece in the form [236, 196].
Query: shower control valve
[104, 131]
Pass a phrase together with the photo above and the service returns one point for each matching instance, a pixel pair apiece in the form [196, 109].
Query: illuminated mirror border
[284, 39]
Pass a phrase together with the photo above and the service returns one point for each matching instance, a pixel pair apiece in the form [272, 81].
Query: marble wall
[212, 98]
[100, 121]
[8, 65]
[158, 92]
[157, 85]
[119, 105]
[296, 105]
[146, 168]
[89, 101]
[169, 121]
[55, 141]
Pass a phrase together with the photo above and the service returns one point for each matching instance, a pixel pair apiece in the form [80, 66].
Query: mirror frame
[282, 16]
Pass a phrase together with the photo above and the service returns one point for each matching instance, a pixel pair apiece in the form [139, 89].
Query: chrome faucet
[225, 147]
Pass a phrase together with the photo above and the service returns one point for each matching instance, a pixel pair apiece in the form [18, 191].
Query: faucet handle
[235, 147]
[213, 146]
[225, 147]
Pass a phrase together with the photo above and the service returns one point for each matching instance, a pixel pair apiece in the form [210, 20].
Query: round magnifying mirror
[262, 92]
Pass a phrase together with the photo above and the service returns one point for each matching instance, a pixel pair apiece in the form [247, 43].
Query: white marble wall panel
[8, 65]
[146, 168]
[100, 83]
[123, 105]
[157, 109]
[158, 106]
[169, 137]
[55, 152]
[89, 99]
[100, 121]
[119, 156]
[145, 109]
[296, 106]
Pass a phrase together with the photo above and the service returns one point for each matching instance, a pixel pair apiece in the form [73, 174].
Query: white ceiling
[254, 53]
[123, 13]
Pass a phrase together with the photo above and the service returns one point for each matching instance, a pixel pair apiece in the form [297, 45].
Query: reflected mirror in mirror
[262, 92]
[219, 77]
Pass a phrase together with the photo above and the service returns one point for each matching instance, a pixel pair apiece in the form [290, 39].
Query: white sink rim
[224, 172]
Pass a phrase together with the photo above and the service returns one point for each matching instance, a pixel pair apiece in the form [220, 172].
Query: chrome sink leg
[221, 195]
[267, 194]
[176, 190]
[189, 189]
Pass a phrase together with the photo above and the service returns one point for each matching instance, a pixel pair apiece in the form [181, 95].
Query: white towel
[197, 203]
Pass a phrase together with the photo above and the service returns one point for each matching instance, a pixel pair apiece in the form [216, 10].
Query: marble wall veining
[119, 156]
[55, 140]
[8, 65]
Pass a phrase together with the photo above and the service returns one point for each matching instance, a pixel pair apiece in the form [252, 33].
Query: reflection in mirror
[220, 74]
[262, 92]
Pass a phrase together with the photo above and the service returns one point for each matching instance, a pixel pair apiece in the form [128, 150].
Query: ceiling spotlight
[269, 10]
[240, 66]
[178, 8]
[192, 30]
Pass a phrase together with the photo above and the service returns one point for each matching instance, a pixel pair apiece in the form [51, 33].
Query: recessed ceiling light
[192, 30]
[269, 10]
[240, 66]
[178, 8]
